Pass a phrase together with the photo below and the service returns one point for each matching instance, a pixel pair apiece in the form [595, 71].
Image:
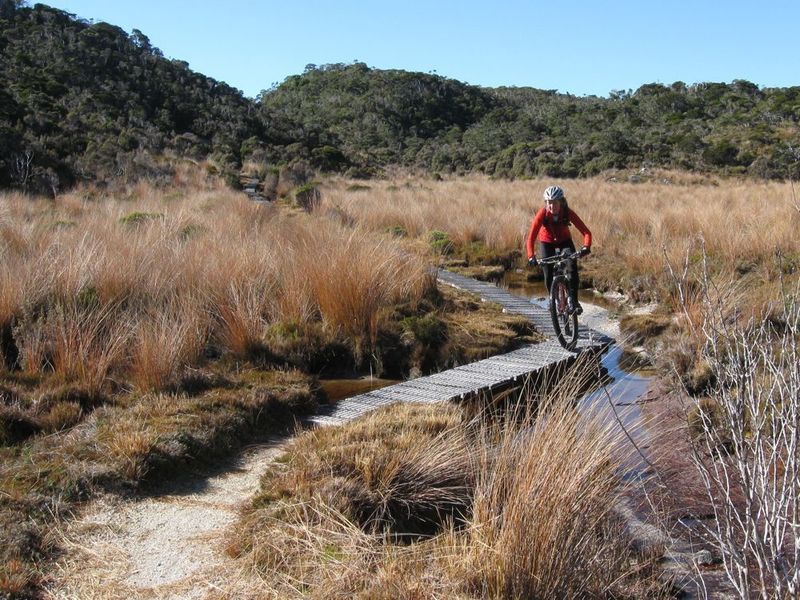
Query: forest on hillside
[85, 101]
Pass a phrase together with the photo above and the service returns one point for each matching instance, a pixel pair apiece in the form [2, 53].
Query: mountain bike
[565, 319]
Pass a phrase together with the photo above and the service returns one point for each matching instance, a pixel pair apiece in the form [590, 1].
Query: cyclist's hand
[532, 262]
[585, 250]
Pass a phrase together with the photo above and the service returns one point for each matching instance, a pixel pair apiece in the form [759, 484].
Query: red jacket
[554, 233]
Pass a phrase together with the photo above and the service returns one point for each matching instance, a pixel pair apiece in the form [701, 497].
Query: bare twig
[747, 454]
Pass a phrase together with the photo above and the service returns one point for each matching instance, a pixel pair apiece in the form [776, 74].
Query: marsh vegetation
[146, 327]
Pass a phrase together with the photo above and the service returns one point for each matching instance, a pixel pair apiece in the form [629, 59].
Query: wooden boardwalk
[483, 376]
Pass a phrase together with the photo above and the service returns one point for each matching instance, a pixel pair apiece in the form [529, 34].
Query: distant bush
[137, 218]
[307, 196]
[440, 241]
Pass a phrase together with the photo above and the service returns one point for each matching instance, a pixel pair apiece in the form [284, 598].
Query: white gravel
[164, 546]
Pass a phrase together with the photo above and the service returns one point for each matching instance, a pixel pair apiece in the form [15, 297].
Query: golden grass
[135, 287]
[635, 226]
[541, 523]
[126, 442]
[165, 341]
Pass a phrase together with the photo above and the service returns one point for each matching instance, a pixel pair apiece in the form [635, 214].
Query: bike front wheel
[565, 322]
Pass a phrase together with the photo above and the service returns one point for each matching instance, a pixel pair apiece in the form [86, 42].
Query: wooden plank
[435, 388]
[406, 394]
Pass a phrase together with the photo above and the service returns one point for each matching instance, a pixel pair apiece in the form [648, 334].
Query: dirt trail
[169, 545]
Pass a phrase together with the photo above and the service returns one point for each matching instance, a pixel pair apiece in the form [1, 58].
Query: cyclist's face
[554, 206]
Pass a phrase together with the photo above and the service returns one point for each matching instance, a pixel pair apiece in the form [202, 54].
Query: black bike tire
[567, 332]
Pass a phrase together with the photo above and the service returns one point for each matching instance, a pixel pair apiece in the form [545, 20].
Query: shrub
[307, 196]
[440, 242]
[137, 218]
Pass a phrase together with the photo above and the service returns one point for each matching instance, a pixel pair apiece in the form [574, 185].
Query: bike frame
[565, 322]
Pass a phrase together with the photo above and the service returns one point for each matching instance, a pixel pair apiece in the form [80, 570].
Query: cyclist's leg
[547, 250]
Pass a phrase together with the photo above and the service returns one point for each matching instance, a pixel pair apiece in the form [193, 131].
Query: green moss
[428, 329]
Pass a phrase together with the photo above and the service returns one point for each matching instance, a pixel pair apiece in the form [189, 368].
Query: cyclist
[551, 226]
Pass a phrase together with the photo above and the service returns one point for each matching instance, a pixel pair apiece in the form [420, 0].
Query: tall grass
[135, 287]
[165, 339]
[542, 523]
[742, 224]
[86, 342]
[517, 508]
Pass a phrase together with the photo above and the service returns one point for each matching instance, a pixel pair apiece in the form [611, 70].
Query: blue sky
[580, 46]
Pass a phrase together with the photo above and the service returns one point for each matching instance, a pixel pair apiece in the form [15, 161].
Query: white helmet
[553, 193]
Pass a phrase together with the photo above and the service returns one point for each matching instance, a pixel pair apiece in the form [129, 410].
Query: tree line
[368, 119]
[83, 101]
[87, 101]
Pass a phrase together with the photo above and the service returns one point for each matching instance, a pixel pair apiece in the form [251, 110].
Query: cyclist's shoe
[578, 308]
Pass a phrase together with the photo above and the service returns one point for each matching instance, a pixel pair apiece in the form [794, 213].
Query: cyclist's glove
[532, 262]
[585, 250]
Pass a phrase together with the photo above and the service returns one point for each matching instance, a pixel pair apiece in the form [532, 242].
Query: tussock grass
[520, 507]
[143, 327]
[742, 224]
[542, 523]
[128, 313]
[166, 341]
[112, 297]
[655, 240]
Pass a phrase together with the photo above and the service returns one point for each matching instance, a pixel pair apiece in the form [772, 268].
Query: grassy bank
[417, 502]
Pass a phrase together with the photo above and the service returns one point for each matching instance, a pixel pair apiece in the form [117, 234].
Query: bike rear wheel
[565, 322]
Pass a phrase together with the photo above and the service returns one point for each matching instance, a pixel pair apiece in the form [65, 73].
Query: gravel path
[169, 545]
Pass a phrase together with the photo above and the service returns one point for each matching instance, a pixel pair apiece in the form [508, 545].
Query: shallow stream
[618, 388]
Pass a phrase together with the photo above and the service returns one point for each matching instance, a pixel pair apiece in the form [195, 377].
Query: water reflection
[616, 400]
[537, 292]
[341, 389]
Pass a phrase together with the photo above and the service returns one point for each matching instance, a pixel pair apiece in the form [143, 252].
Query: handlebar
[559, 258]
